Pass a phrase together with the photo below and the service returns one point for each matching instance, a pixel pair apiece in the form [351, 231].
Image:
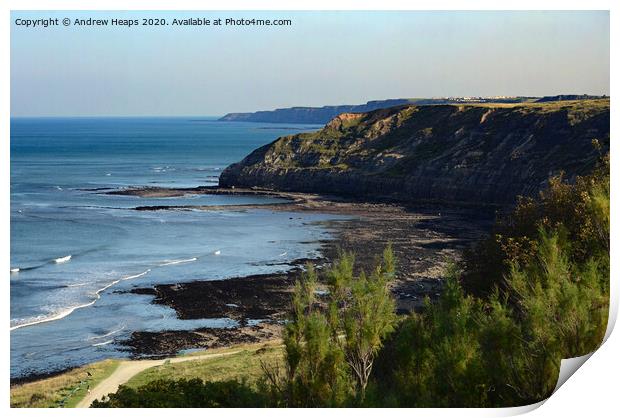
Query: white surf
[62, 259]
[172, 262]
[70, 310]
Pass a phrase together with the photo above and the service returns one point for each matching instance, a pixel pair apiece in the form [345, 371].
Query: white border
[592, 391]
[308, 5]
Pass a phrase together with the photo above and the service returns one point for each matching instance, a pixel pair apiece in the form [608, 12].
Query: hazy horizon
[214, 116]
[323, 59]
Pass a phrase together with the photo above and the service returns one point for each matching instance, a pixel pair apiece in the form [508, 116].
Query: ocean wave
[20, 269]
[60, 315]
[163, 169]
[115, 331]
[172, 262]
[77, 284]
[68, 311]
[59, 260]
[212, 169]
[103, 343]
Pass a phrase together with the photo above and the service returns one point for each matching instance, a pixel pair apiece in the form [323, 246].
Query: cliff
[487, 153]
[313, 115]
[322, 115]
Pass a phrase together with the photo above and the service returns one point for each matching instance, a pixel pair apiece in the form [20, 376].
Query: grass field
[68, 389]
[245, 364]
[62, 391]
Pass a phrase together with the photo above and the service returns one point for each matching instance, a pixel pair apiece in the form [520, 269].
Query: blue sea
[75, 249]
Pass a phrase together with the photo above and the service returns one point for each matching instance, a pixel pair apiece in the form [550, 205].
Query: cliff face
[313, 115]
[450, 153]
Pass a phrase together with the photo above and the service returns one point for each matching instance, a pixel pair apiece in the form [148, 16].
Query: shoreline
[425, 238]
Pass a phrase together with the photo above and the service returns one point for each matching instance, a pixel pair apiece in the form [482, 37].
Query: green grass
[245, 365]
[62, 391]
[68, 389]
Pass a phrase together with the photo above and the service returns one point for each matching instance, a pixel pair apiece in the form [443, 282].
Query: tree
[367, 314]
[545, 298]
[316, 373]
[331, 344]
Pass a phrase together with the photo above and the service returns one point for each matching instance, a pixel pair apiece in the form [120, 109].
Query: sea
[76, 251]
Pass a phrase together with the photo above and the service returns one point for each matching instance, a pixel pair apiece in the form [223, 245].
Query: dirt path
[128, 369]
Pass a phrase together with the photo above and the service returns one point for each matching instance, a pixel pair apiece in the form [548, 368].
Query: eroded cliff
[486, 153]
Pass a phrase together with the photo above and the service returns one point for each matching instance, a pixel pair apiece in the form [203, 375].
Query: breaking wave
[69, 311]
[172, 262]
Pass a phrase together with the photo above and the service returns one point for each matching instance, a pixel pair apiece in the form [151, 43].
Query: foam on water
[69, 311]
[78, 253]
[103, 343]
[116, 331]
[173, 262]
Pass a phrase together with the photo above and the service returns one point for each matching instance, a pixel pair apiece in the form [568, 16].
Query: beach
[425, 238]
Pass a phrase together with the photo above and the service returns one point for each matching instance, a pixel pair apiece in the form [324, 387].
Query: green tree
[331, 343]
[546, 281]
[562, 308]
[316, 371]
[367, 317]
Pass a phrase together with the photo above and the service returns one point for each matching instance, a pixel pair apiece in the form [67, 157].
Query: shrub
[546, 298]
[186, 393]
[579, 210]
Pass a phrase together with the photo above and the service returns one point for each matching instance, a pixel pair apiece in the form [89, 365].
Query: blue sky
[324, 58]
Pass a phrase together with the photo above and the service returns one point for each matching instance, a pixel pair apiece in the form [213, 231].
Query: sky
[322, 58]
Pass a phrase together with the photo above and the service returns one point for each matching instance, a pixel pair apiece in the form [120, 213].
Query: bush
[579, 211]
[183, 393]
[546, 298]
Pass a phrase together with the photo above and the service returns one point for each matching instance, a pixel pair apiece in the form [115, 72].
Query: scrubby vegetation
[534, 292]
[184, 393]
[545, 275]
[578, 213]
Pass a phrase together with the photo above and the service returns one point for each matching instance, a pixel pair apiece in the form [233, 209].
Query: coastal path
[129, 368]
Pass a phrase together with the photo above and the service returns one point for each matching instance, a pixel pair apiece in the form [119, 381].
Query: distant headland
[322, 115]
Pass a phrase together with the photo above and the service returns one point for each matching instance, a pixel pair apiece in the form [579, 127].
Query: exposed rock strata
[466, 153]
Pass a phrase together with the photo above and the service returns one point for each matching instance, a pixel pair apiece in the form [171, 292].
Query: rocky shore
[425, 238]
